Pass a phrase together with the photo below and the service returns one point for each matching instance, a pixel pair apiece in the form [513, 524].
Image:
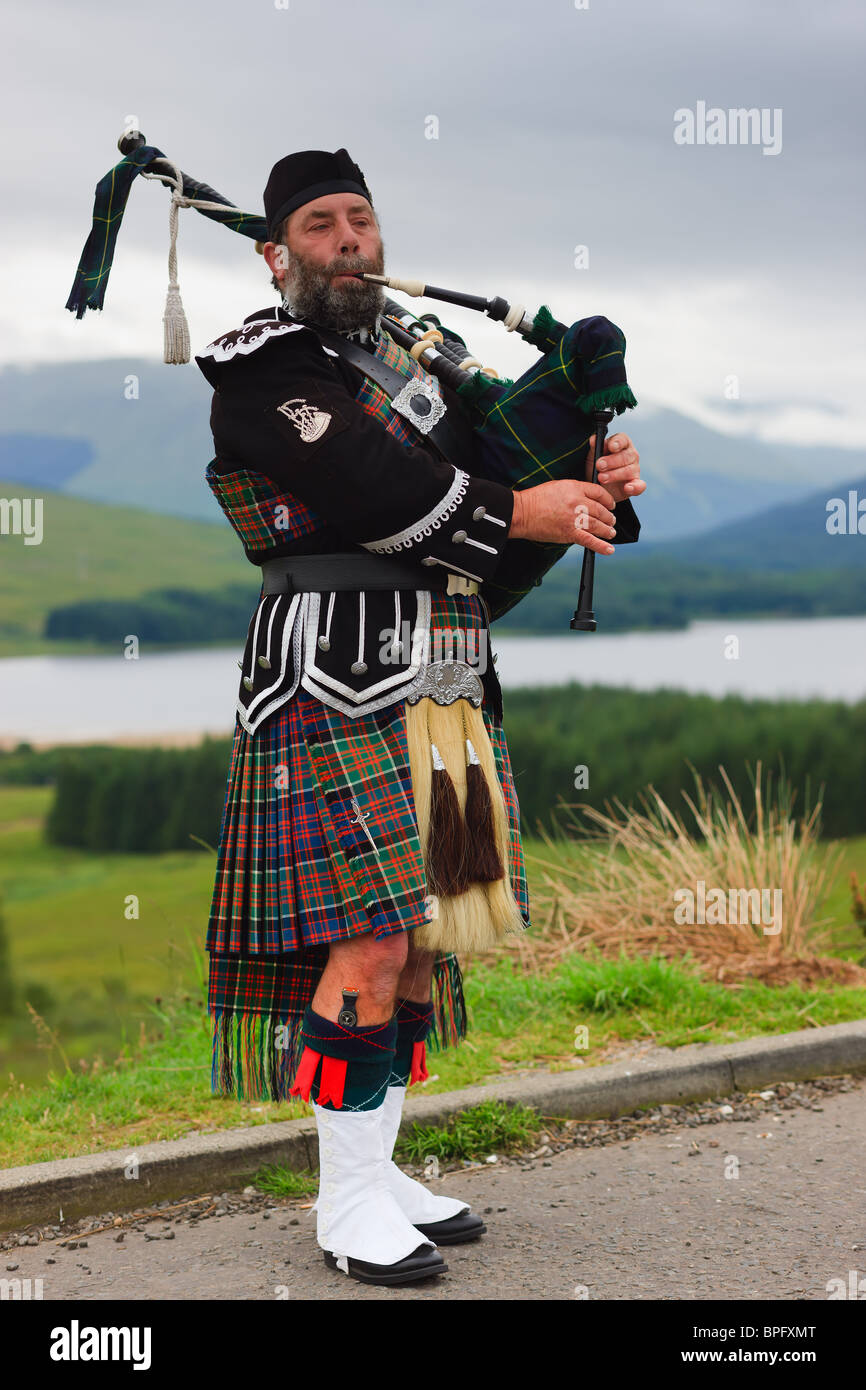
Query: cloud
[555, 129]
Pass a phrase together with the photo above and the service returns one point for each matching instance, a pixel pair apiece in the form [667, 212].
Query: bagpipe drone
[531, 430]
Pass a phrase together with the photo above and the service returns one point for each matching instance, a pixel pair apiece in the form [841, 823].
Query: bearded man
[371, 824]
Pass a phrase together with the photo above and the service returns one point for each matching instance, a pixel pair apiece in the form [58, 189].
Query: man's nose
[349, 243]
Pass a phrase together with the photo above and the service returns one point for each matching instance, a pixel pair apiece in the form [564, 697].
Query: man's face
[325, 239]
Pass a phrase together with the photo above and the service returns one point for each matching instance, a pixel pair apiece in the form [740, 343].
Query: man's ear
[275, 255]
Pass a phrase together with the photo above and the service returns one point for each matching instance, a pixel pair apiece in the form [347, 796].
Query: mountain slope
[92, 550]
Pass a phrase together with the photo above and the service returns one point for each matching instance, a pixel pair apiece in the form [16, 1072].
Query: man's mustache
[354, 263]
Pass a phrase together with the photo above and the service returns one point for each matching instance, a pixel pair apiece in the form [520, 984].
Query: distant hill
[43, 460]
[789, 537]
[91, 550]
[151, 450]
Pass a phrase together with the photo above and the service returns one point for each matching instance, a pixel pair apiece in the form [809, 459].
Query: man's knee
[377, 963]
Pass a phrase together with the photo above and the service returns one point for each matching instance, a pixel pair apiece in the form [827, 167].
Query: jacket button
[264, 663]
[459, 536]
[479, 513]
[358, 668]
[247, 682]
[324, 644]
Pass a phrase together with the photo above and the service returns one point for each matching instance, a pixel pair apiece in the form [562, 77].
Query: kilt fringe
[255, 1054]
[449, 1005]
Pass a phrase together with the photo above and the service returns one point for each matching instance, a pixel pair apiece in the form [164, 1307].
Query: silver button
[429, 560]
[479, 513]
[247, 682]
[459, 536]
[264, 663]
[358, 668]
[324, 644]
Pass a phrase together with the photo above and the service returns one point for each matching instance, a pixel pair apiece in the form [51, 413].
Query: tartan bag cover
[319, 840]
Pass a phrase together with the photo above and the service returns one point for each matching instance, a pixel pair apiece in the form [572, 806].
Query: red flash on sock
[418, 1071]
[333, 1081]
[305, 1074]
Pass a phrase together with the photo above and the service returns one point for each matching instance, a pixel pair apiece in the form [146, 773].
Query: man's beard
[316, 298]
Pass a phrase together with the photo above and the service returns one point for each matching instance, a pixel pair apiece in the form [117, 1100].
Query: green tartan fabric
[537, 429]
[109, 204]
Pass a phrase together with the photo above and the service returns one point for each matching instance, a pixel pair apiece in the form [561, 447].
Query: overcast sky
[555, 129]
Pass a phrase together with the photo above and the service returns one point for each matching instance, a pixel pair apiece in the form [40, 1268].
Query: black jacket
[284, 407]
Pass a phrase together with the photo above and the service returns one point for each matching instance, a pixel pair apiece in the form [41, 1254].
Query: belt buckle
[459, 584]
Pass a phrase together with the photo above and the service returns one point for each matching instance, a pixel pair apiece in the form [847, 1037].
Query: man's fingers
[594, 520]
[601, 517]
[596, 493]
[614, 466]
[591, 542]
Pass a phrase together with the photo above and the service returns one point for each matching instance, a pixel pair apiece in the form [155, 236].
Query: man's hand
[618, 467]
[571, 511]
[565, 512]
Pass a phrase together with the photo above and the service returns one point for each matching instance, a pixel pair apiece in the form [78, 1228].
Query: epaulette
[246, 339]
[254, 333]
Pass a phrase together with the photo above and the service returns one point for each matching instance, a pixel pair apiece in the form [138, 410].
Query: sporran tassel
[484, 859]
[446, 863]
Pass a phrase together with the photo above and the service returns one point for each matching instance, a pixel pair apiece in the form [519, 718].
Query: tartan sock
[344, 1068]
[413, 1021]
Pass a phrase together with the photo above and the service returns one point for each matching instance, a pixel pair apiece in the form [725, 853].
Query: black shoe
[464, 1226]
[421, 1264]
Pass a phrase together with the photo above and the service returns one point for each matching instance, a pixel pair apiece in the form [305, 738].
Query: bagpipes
[531, 430]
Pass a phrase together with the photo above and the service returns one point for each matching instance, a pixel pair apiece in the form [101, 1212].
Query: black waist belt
[296, 574]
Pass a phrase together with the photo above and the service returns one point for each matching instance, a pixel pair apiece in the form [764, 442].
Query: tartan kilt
[296, 870]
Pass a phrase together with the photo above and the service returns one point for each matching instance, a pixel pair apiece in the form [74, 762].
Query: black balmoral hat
[309, 174]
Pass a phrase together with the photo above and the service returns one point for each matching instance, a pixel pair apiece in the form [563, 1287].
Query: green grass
[489, 1128]
[285, 1182]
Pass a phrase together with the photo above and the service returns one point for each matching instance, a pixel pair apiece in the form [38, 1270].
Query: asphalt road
[707, 1206]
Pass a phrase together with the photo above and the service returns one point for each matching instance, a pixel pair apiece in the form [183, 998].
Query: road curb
[126, 1179]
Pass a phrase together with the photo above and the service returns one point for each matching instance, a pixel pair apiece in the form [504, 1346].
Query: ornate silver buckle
[446, 681]
[420, 403]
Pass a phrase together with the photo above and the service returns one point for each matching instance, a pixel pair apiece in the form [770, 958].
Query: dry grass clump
[621, 896]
